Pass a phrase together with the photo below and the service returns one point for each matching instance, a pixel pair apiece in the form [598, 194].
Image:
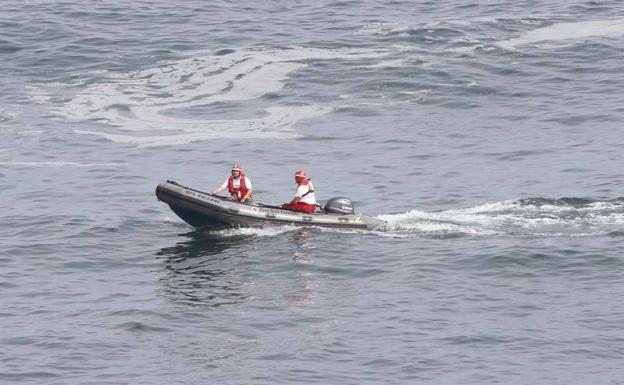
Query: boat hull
[203, 210]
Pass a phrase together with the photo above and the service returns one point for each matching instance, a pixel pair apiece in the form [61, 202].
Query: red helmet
[300, 174]
[237, 167]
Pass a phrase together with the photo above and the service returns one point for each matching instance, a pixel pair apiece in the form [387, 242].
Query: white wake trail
[512, 218]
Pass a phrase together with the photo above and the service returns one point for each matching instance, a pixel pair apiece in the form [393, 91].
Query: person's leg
[308, 208]
[300, 207]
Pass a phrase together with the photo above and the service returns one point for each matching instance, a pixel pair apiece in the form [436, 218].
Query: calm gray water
[489, 135]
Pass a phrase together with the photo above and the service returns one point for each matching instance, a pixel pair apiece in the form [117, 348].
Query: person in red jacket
[304, 200]
[238, 185]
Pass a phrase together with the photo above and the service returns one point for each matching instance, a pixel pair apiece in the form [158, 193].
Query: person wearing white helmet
[304, 200]
[238, 185]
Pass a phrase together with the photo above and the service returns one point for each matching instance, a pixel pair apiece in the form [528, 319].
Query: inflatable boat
[204, 210]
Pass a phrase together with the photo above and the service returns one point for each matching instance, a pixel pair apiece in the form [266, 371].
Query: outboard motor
[339, 205]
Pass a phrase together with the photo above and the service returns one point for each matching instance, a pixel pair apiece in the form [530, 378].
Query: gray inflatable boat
[204, 210]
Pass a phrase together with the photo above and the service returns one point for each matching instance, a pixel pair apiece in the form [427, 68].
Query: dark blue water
[489, 136]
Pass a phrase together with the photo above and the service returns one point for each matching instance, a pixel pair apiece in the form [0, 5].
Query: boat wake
[564, 217]
[269, 231]
[571, 217]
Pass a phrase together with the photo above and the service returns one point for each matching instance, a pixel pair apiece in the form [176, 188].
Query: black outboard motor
[339, 205]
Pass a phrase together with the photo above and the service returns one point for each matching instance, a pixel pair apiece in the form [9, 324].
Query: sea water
[488, 135]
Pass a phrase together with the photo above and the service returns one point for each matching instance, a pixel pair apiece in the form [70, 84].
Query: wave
[467, 34]
[59, 164]
[567, 31]
[161, 105]
[278, 125]
[533, 216]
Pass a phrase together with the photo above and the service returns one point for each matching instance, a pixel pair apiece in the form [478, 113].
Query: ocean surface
[490, 136]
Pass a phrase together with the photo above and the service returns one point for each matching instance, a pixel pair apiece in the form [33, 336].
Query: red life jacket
[239, 192]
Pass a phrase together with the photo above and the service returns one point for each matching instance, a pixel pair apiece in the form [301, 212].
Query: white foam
[277, 125]
[255, 231]
[388, 64]
[270, 231]
[381, 28]
[530, 21]
[175, 221]
[423, 91]
[38, 95]
[512, 217]
[420, 222]
[136, 103]
[565, 31]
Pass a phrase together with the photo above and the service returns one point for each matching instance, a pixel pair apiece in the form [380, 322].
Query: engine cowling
[339, 205]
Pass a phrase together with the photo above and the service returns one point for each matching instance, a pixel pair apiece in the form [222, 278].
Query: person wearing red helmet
[304, 200]
[238, 185]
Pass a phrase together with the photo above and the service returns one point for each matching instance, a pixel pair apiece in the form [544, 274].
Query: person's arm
[220, 188]
[298, 195]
